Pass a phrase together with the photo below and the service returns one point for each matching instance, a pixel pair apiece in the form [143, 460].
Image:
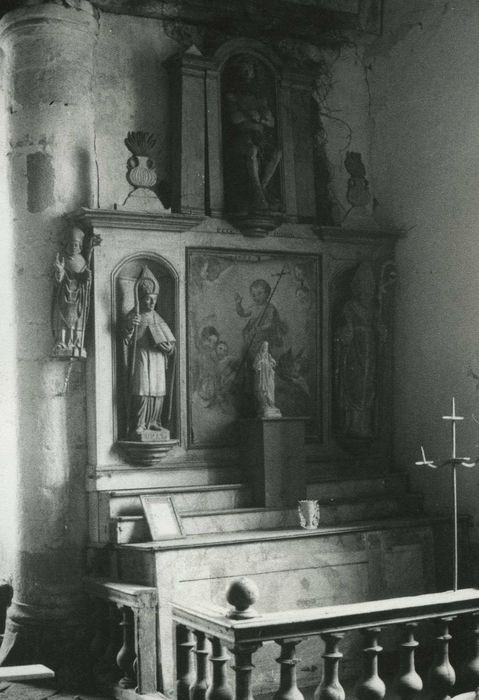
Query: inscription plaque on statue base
[161, 435]
[273, 449]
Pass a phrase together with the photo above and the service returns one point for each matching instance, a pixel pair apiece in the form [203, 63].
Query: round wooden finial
[242, 594]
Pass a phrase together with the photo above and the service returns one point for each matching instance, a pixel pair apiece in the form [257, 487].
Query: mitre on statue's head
[147, 283]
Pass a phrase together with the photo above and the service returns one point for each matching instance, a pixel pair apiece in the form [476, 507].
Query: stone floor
[40, 690]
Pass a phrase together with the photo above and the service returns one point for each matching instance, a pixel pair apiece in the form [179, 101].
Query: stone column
[49, 60]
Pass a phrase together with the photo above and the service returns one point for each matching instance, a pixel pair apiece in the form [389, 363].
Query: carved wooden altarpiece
[182, 252]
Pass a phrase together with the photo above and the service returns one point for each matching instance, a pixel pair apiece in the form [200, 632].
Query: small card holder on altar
[162, 518]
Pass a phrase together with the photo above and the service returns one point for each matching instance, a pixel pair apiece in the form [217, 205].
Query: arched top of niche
[151, 256]
[161, 268]
[251, 47]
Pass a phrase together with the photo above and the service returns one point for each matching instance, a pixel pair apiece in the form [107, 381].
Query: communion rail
[208, 633]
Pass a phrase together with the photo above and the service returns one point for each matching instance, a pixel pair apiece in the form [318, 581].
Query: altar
[240, 361]
[237, 516]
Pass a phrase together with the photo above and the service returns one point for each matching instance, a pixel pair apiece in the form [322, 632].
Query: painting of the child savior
[236, 302]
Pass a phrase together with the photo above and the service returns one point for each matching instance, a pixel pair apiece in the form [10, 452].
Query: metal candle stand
[455, 462]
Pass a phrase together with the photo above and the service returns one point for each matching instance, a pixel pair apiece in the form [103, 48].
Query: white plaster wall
[346, 117]
[130, 93]
[425, 156]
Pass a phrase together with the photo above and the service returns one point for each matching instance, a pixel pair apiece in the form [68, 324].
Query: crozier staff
[150, 342]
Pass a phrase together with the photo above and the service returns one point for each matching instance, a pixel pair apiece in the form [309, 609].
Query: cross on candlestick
[454, 462]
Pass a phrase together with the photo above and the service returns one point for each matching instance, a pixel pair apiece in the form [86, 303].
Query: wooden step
[108, 505]
[133, 528]
[215, 539]
[25, 673]
[112, 504]
[361, 486]
[193, 498]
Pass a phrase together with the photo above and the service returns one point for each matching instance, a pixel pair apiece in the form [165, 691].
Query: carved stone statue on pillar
[71, 300]
[149, 345]
[264, 366]
[251, 152]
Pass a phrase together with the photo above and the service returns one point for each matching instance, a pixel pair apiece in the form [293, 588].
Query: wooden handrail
[215, 622]
[128, 594]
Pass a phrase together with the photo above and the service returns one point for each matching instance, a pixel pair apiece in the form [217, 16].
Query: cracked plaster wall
[425, 156]
[130, 92]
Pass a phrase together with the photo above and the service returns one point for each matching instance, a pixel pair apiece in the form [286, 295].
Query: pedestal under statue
[149, 343]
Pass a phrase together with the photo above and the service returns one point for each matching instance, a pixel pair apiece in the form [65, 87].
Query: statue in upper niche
[251, 151]
[71, 298]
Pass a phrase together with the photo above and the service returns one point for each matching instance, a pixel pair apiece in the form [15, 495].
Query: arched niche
[125, 301]
[252, 151]
[360, 332]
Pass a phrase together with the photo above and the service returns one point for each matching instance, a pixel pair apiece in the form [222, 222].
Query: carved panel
[361, 327]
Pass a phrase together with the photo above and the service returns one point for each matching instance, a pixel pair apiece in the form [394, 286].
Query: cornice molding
[143, 221]
[177, 223]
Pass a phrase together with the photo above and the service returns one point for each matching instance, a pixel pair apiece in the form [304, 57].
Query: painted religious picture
[237, 302]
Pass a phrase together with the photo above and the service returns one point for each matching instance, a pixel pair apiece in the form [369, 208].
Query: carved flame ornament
[141, 165]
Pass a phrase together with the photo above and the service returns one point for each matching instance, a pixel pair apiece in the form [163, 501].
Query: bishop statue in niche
[149, 343]
[359, 337]
[251, 153]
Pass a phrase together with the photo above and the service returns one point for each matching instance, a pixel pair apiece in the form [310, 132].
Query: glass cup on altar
[308, 511]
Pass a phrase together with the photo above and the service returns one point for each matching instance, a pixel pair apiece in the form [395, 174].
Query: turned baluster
[200, 685]
[441, 676]
[184, 661]
[288, 687]
[219, 688]
[330, 688]
[243, 669]
[470, 670]
[126, 656]
[242, 594]
[371, 687]
[409, 682]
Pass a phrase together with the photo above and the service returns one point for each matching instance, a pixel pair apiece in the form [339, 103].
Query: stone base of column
[62, 645]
